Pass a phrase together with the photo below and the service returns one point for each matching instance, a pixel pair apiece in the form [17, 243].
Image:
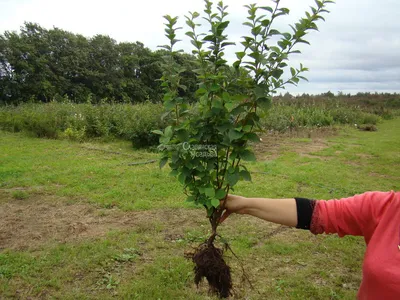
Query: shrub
[206, 149]
[84, 121]
[134, 123]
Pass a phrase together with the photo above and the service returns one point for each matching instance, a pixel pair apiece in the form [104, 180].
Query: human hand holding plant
[233, 204]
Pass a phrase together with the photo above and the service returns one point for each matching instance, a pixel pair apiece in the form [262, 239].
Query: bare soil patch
[374, 174]
[272, 143]
[365, 156]
[30, 223]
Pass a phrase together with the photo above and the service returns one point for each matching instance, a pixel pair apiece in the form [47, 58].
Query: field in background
[82, 122]
[84, 220]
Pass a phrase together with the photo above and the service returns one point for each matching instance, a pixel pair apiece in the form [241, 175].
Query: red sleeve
[358, 215]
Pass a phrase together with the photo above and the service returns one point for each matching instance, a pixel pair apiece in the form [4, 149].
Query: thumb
[224, 216]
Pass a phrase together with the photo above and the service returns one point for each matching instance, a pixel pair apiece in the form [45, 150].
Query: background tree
[41, 65]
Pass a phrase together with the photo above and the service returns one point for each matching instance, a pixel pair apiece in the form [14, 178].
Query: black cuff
[305, 209]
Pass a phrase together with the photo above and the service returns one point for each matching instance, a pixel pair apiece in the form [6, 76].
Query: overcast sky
[356, 50]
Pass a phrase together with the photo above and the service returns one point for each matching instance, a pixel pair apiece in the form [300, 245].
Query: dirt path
[30, 223]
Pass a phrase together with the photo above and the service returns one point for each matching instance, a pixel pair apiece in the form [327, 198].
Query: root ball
[209, 264]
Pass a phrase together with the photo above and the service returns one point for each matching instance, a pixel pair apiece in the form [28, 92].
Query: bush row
[135, 122]
[288, 117]
[84, 121]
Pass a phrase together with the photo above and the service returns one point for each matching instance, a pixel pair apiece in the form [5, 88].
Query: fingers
[224, 202]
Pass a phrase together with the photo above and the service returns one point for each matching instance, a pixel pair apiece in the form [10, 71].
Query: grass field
[83, 221]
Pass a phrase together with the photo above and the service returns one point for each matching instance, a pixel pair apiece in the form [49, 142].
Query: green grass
[78, 172]
[143, 261]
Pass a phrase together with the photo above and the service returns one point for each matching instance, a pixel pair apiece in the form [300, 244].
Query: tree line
[42, 65]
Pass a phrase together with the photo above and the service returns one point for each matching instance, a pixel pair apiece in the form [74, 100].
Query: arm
[280, 211]
[358, 215]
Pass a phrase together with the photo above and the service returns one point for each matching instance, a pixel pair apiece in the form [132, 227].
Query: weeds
[20, 195]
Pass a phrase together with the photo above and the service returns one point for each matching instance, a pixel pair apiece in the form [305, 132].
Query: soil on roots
[209, 263]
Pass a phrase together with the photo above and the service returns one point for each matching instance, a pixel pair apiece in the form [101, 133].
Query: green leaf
[274, 32]
[164, 139]
[303, 42]
[267, 8]
[220, 194]
[217, 103]
[277, 73]
[215, 202]
[163, 161]
[215, 88]
[182, 178]
[287, 35]
[209, 192]
[227, 44]
[230, 105]
[201, 91]
[248, 155]
[293, 71]
[222, 26]
[245, 175]
[248, 24]
[159, 132]
[252, 136]
[264, 102]
[319, 3]
[183, 135]
[164, 115]
[256, 30]
[234, 135]
[189, 33]
[233, 178]
[210, 38]
[296, 80]
[168, 132]
[174, 173]
[265, 22]
[247, 128]
[302, 77]
[261, 91]
[275, 49]
[231, 169]
[237, 110]
[240, 55]
[197, 44]
[285, 10]
[190, 198]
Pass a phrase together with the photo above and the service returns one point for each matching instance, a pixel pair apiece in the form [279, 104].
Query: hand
[233, 204]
